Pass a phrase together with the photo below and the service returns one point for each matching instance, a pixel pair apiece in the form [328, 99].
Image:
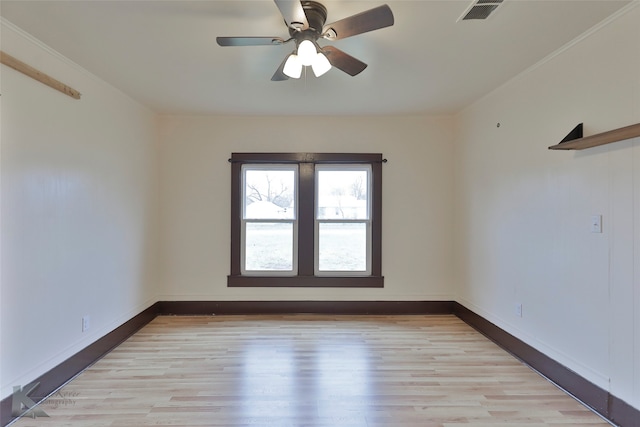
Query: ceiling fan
[305, 20]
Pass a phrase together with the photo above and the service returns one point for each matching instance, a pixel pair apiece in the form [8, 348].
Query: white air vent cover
[480, 9]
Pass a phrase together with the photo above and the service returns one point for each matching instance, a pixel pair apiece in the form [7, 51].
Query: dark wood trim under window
[306, 220]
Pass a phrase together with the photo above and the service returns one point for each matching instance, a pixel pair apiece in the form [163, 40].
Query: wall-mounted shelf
[575, 141]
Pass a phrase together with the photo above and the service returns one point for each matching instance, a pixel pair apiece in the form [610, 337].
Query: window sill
[305, 282]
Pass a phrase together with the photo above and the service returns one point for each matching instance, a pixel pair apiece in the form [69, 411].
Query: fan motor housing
[316, 15]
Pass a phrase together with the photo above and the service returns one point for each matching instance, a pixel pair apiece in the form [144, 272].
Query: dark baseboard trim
[584, 390]
[601, 401]
[304, 307]
[622, 414]
[65, 371]
[607, 405]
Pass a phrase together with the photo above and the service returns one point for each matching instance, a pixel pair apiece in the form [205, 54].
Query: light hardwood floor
[311, 370]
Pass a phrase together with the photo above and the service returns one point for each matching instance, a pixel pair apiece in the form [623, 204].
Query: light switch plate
[596, 223]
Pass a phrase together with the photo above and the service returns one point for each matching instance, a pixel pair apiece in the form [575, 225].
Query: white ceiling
[164, 53]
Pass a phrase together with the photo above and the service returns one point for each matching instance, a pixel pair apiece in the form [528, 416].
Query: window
[269, 223]
[342, 220]
[306, 220]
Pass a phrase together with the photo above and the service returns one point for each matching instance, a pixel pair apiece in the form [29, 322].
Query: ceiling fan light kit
[306, 55]
[305, 21]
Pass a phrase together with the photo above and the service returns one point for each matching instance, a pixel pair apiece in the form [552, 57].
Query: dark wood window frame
[306, 218]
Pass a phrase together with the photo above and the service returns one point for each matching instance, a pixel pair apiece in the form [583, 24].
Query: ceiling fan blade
[279, 75]
[293, 13]
[249, 41]
[343, 61]
[372, 19]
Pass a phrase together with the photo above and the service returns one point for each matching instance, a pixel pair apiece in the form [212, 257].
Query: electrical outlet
[85, 323]
[519, 310]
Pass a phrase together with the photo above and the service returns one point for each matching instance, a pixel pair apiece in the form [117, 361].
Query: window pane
[269, 246]
[342, 246]
[269, 193]
[342, 194]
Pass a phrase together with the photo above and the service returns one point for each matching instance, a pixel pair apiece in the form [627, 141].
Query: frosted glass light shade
[320, 65]
[306, 52]
[293, 67]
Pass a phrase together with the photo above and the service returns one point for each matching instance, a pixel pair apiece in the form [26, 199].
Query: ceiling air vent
[480, 9]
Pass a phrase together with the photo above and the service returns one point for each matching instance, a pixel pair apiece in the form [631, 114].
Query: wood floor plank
[310, 370]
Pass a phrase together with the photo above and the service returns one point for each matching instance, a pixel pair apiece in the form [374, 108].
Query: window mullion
[306, 200]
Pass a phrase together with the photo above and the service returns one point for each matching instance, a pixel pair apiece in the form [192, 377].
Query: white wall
[78, 197]
[523, 212]
[417, 200]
